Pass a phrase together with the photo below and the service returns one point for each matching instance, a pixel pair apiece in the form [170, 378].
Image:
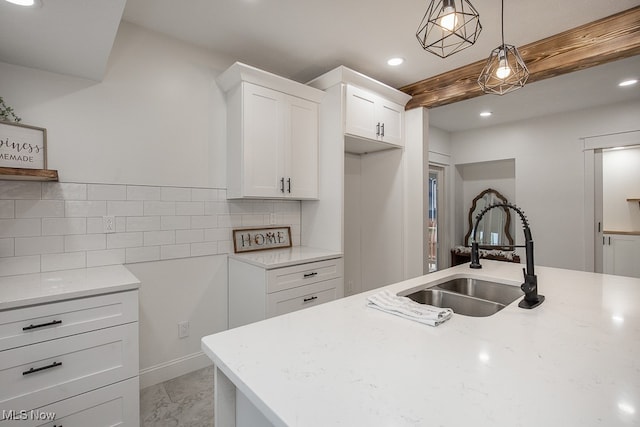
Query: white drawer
[280, 279]
[39, 374]
[114, 405]
[30, 325]
[302, 297]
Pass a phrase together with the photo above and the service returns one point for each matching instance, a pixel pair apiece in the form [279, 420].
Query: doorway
[435, 188]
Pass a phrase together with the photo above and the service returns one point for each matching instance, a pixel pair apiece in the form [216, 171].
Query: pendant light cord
[502, 18]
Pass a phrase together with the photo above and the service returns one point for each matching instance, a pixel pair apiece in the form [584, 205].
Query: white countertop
[276, 258]
[39, 288]
[572, 361]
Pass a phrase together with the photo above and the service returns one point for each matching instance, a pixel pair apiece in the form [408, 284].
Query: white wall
[621, 181]
[352, 221]
[156, 123]
[549, 172]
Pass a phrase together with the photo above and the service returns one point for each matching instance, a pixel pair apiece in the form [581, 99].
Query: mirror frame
[472, 219]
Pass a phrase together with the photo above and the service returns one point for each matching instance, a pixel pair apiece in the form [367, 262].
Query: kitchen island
[572, 361]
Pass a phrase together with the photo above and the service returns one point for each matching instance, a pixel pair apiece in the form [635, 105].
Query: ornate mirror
[493, 229]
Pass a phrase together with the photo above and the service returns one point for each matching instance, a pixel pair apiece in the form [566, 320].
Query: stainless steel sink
[492, 291]
[470, 297]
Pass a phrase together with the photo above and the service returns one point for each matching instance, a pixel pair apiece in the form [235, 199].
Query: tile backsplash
[47, 226]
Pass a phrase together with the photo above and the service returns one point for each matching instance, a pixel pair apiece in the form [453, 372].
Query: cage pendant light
[505, 70]
[448, 26]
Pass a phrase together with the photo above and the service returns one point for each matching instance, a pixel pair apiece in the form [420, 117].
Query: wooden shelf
[19, 174]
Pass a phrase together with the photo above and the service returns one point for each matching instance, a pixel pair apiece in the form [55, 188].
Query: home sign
[22, 146]
[257, 239]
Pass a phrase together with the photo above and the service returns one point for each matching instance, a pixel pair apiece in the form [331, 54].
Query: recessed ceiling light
[394, 62]
[486, 114]
[628, 82]
[25, 3]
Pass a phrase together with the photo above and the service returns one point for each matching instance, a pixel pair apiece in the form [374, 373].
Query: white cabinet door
[391, 118]
[621, 255]
[301, 155]
[361, 113]
[263, 145]
[373, 117]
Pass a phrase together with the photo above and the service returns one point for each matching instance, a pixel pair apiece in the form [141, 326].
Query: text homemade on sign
[22, 146]
[257, 239]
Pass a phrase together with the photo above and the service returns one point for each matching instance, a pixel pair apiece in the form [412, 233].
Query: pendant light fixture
[505, 70]
[448, 26]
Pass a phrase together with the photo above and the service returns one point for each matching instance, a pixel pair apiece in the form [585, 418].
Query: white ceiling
[303, 39]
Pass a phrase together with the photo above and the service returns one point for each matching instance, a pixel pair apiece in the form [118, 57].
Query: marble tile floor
[185, 401]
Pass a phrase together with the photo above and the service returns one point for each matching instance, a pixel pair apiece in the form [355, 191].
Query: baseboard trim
[173, 368]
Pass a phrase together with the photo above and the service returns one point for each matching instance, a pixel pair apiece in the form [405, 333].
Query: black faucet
[530, 285]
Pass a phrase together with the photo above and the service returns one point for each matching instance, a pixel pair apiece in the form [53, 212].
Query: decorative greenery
[6, 113]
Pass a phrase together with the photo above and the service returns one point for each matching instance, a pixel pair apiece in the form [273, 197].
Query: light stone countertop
[276, 258]
[39, 288]
[573, 361]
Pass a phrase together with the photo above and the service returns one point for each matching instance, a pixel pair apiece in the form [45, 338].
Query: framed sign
[22, 146]
[258, 239]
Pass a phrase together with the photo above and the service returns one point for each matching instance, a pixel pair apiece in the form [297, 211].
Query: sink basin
[460, 304]
[492, 291]
[469, 297]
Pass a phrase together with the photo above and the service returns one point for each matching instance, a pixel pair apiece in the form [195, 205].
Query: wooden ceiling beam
[605, 40]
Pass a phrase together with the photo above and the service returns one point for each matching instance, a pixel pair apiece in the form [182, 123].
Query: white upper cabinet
[371, 116]
[272, 135]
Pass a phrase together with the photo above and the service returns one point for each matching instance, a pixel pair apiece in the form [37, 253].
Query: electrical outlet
[272, 218]
[183, 329]
[108, 224]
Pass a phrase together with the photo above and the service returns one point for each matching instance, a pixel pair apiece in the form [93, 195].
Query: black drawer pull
[34, 370]
[42, 325]
[306, 276]
[310, 299]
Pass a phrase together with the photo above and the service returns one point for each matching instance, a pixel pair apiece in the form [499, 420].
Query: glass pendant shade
[448, 26]
[505, 71]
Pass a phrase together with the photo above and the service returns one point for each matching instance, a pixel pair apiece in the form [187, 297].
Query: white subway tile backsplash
[159, 208]
[85, 242]
[106, 257]
[189, 208]
[39, 245]
[143, 223]
[149, 253]
[20, 190]
[175, 251]
[175, 222]
[39, 208]
[125, 208]
[66, 261]
[63, 226]
[64, 191]
[204, 248]
[176, 194]
[20, 227]
[85, 208]
[124, 240]
[7, 209]
[204, 194]
[106, 192]
[6, 247]
[19, 265]
[204, 221]
[54, 226]
[189, 236]
[157, 238]
[140, 192]
[217, 234]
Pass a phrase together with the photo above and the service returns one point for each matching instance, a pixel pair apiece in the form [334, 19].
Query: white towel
[409, 309]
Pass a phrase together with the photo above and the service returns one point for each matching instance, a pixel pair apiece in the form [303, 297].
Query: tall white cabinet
[362, 211]
[272, 134]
